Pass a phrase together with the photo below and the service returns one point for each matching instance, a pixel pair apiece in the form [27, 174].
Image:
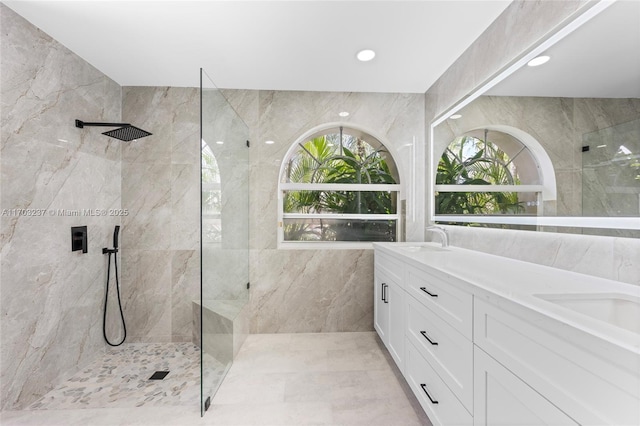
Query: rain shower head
[125, 132]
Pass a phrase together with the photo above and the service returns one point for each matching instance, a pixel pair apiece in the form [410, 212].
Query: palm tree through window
[477, 176]
[339, 186]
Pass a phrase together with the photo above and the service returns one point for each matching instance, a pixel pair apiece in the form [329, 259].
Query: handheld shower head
[116, 231]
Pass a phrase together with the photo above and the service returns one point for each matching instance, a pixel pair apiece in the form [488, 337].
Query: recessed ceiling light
[343, 114]
[366, 55]
[269, 142]
[455, 116]
[538, 61]
[220, 142]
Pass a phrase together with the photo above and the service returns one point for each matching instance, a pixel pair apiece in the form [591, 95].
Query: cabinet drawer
[504, 400]
[393, 268]
[449, 352]
[591, 381]
[437, 400]
[448, 302]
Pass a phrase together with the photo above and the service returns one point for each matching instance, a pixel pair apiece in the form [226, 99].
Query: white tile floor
[278, 379]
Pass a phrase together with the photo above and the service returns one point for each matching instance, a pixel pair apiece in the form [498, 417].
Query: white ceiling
[270, 45]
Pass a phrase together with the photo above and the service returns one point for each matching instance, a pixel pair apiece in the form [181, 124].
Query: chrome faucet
[440, 231]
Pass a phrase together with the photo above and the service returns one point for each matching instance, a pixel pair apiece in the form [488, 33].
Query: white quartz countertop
[522, 282]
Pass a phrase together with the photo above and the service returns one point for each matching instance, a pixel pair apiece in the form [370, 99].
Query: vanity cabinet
[439, 364]
[389, 318]
[426, 325]
[448, 352]
[475, 353]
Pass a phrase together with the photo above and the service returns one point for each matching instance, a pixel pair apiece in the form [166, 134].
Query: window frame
[355, 187]
[535, 189]
[546, 190]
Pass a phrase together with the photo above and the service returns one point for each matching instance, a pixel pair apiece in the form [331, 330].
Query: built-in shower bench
[226, 326]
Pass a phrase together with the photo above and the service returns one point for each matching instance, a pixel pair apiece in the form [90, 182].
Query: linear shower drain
[159, 375]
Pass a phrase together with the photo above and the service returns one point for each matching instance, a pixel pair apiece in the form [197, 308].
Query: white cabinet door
[500, 398]
[381, 305]
[397, 323]
[389, 314]
[594, 382]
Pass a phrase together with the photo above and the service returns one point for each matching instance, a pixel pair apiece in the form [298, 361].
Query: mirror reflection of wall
[583, 108]
[611, 170]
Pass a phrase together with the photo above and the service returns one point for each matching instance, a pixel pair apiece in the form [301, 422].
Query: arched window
[211, 197]
[338, 185]
[487, 172]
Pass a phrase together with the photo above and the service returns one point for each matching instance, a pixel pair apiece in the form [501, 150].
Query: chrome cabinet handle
[424, 388]
[384, 293]
[424, 334]
[426, 291]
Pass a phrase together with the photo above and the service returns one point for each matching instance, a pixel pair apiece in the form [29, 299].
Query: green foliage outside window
[472, 161]
[339, 159]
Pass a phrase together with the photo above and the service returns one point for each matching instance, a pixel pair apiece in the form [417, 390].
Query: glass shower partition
[224, 234]
[611, 175]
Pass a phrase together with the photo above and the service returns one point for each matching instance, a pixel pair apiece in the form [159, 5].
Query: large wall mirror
[553, 147]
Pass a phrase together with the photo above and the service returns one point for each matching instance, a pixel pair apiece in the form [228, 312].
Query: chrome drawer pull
[424, 334]
[430, 294]
[424, 388]
[384, 293]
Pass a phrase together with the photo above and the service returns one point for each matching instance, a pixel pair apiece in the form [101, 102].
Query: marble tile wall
[526, 23]
[51, 304]
[606, 257]
[161, 236]
[317, 290]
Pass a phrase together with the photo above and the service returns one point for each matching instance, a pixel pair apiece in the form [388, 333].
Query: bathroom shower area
[166, 196]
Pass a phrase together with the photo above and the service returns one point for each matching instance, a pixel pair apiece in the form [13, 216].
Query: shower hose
[106, 298]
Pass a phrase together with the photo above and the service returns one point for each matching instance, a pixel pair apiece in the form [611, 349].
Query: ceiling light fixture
[220, 142]
[269, 142]
[538, 61]
[455, 116]
[343, 114]
[366, 55]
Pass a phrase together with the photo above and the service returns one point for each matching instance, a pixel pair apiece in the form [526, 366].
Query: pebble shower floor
[120, 379]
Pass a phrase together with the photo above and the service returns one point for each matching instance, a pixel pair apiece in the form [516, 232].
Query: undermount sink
[423, 248]
[620, 310]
